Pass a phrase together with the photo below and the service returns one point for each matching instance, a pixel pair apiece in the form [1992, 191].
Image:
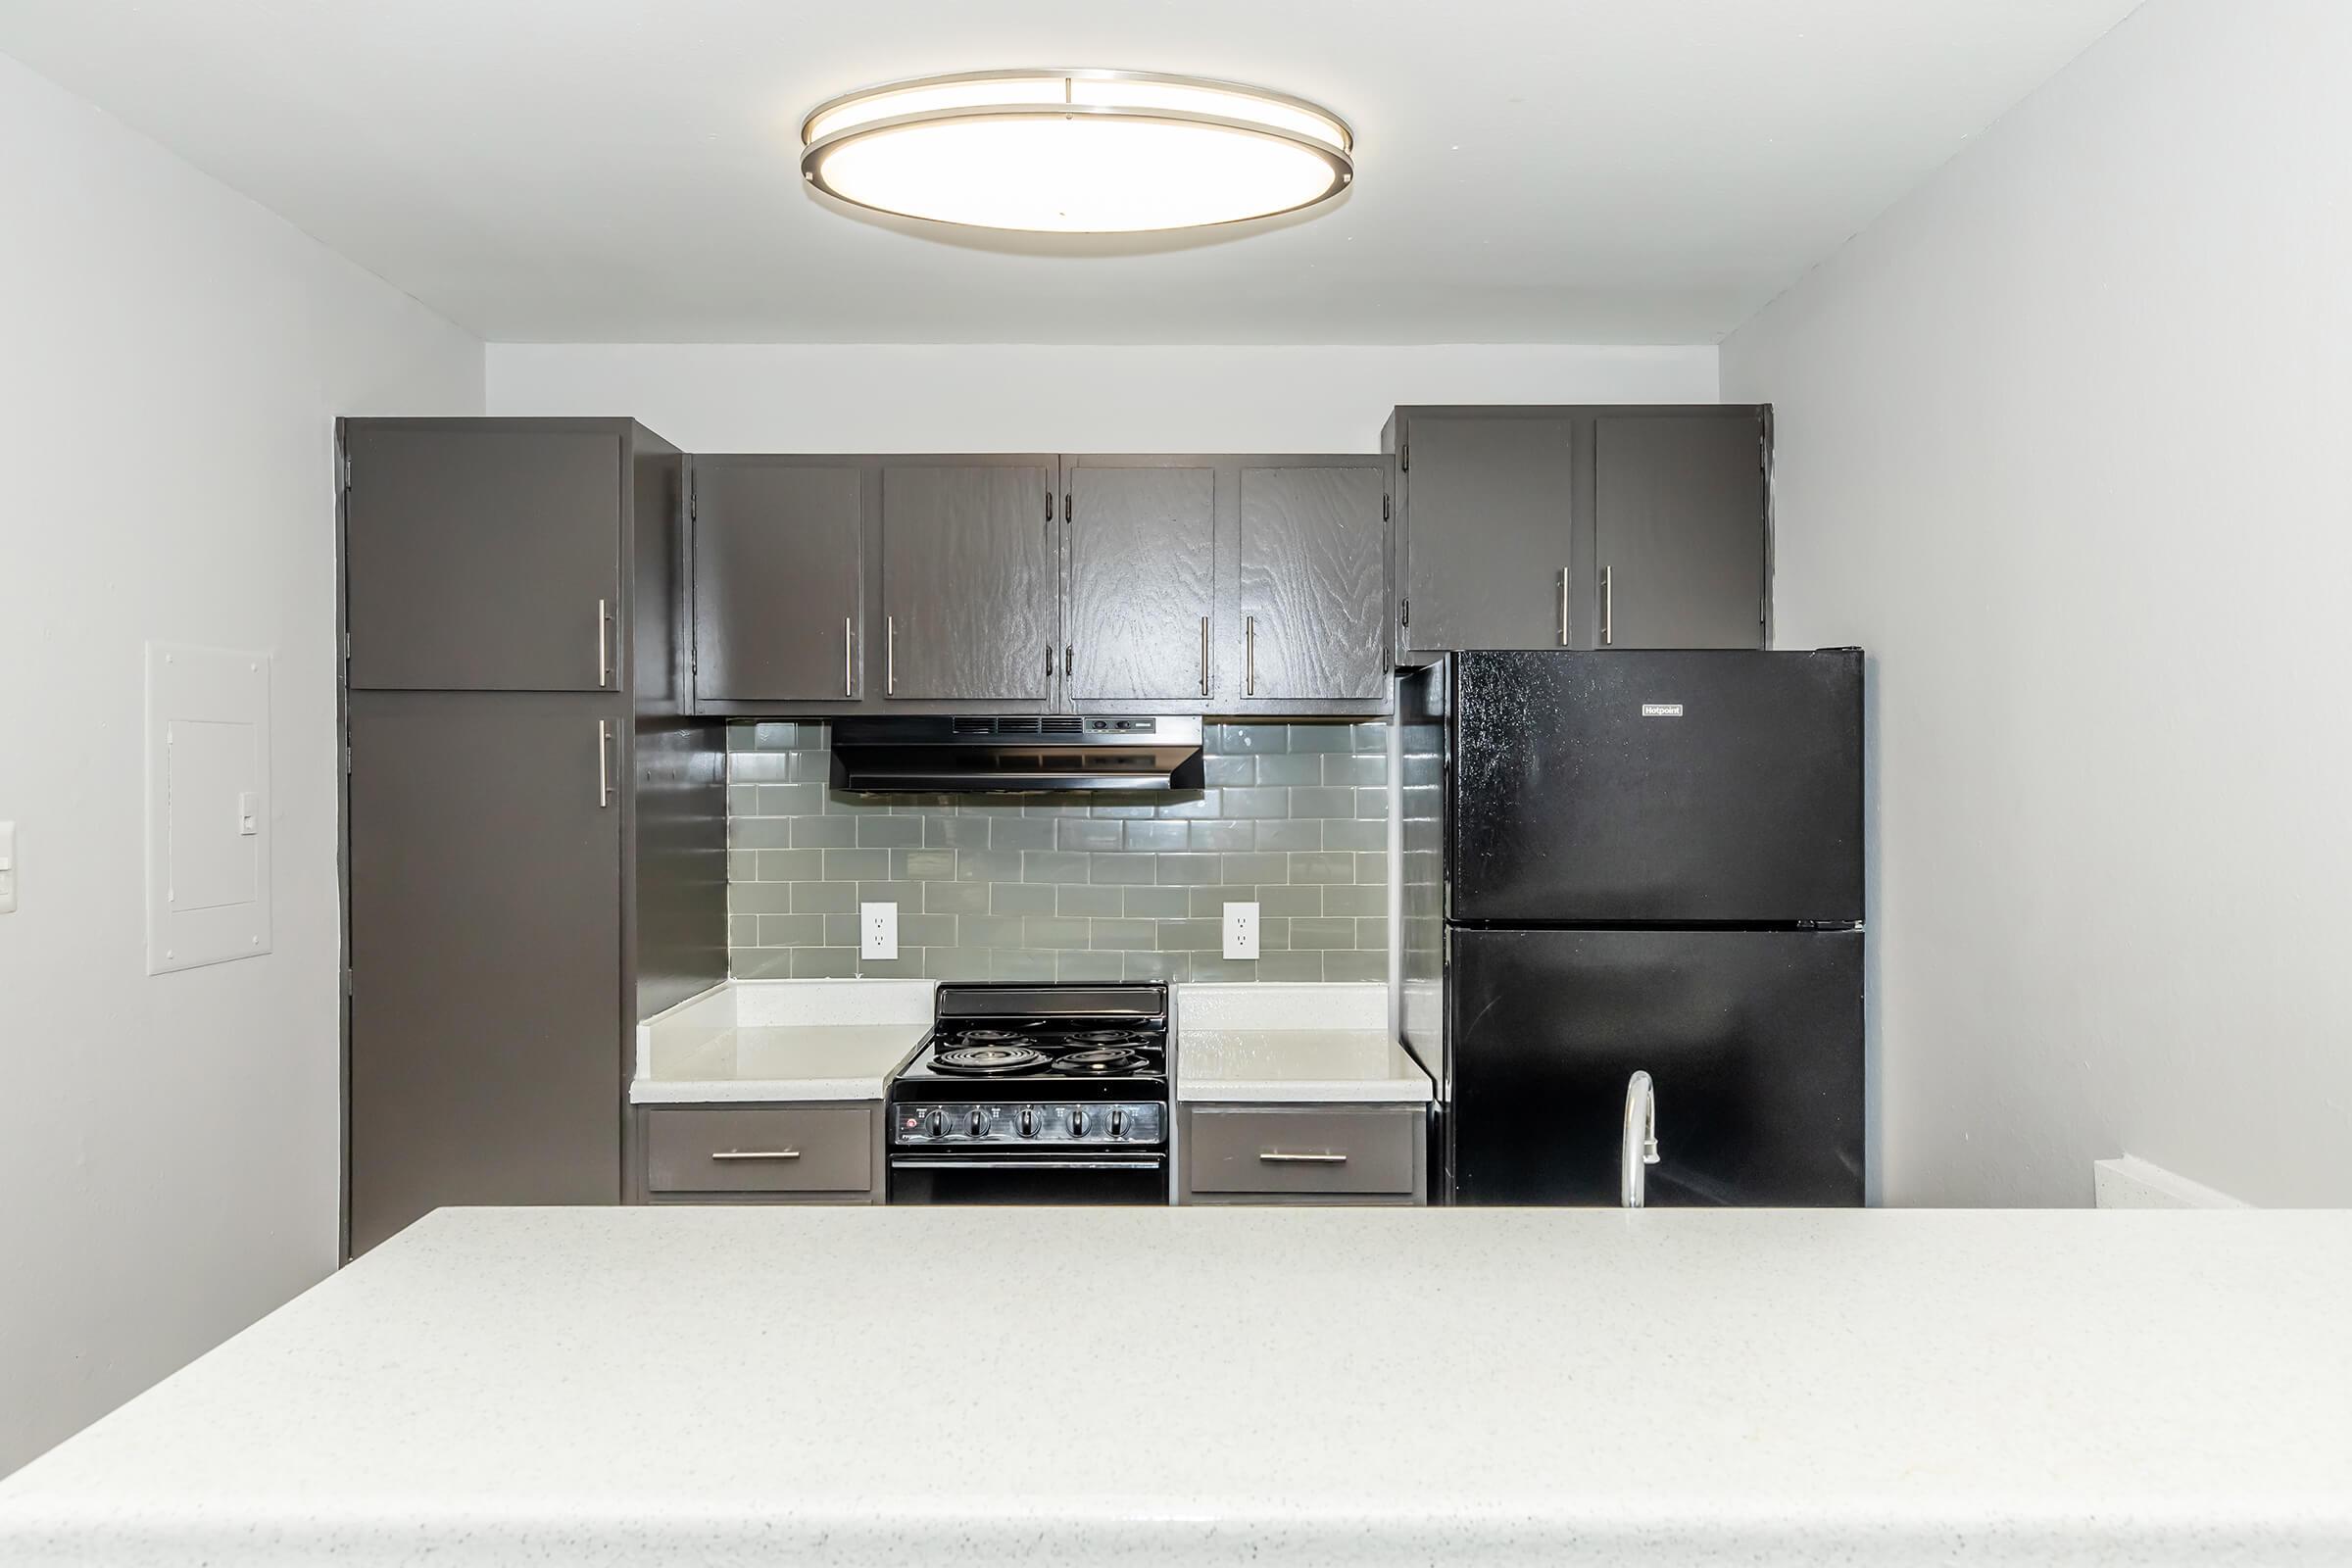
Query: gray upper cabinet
[1679, 531]
[1490, 528]
[969, 579]
[483, 556]
[779, 579]
[1143, 553]
[1314, 610]
[1221, 583]
[1581, 527]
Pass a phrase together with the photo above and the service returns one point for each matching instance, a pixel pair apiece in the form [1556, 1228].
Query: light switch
[877, 930]
[249, 813]
[1241, 930]
[8, 867]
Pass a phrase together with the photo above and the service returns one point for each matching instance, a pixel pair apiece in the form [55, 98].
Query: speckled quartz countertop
[768, 1040]
[1291, 1043]
[1672, 1387]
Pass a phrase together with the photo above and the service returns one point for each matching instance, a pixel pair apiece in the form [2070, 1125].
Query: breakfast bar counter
[730, 1386]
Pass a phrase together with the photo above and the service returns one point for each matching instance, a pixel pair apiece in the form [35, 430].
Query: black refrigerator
[1620, 861]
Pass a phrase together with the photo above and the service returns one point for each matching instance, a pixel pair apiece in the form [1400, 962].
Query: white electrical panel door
[208, 805]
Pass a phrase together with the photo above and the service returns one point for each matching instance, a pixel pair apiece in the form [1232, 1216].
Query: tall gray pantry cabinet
[535, 827]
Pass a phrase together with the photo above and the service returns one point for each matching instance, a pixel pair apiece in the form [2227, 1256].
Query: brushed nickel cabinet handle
[1276, 1156]
[847, 663]
[1204, 656]
[1607, 611]
[604, 762]
[755, 1153]
[604, 643]
[1563, 607]
[890, 656]
[1250, 656]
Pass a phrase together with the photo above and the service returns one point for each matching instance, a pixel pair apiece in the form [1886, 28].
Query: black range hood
[1016, 754]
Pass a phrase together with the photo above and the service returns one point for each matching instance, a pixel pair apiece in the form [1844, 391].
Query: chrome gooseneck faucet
[1640, 1145]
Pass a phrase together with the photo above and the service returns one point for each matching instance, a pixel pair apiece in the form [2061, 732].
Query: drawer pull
[1275, 1156]
[757, 1154]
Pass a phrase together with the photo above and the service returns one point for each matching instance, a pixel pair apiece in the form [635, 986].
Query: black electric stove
[1036, 1094]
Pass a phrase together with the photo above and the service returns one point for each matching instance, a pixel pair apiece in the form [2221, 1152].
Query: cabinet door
[1314, 582]
[486, 1017]
[1489, 530]
[483, 559]
[777, 570]
[1678, 507]
[969, 582]
[1143, 579]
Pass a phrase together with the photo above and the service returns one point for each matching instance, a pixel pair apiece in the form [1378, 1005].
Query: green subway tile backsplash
[1067, 887]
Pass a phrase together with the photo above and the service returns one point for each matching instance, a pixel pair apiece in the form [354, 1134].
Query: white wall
[175, 358]
[2062, 442]
[1036, 398]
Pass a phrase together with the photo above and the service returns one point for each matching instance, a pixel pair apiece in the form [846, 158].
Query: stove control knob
[938, 1123]
[978, 1123]
[1118, 1122]
[1028, 1124]
[1077, 1123]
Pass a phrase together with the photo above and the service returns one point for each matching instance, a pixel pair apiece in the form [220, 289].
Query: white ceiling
[1529, 171]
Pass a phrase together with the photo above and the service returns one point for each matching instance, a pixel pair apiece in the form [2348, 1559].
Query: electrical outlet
[877, 930]
[1241, 930]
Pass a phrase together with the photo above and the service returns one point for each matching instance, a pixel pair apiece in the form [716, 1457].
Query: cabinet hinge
[347, 469]
[347, 648]
[346, 982]
[1404, 613]
[347, 759]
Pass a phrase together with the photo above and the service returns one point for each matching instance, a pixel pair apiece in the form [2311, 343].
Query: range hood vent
[1027, 754]
[1022, 724]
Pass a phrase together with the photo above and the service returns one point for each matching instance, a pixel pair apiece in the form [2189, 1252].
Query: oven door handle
[1128, 1162]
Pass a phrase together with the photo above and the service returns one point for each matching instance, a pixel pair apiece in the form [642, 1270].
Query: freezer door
[1669, 787]
[1754, 1039]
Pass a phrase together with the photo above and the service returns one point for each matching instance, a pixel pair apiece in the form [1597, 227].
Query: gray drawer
[1320, 1149]
[759, 1149]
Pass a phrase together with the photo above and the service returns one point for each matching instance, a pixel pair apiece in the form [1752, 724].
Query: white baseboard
[2132, 1183]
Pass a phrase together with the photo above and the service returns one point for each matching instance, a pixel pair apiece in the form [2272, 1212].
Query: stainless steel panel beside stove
[1035, 1095]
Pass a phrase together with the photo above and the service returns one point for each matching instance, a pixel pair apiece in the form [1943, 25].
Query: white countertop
[770, 1040]
[1290, 1044]
[1369, 1386]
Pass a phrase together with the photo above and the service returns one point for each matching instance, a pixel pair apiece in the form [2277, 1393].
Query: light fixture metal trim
[1335, 151]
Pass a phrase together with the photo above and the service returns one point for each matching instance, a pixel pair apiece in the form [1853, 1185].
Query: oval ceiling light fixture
[1077, 151]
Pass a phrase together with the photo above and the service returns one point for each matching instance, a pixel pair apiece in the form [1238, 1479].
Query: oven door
[1070, 1178]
